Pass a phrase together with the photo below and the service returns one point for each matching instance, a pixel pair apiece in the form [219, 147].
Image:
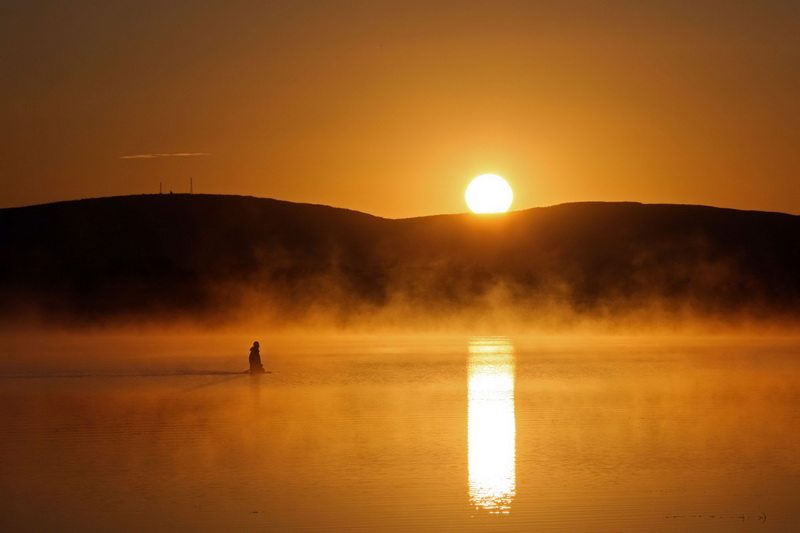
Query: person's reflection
[491, 425]
[255, 394]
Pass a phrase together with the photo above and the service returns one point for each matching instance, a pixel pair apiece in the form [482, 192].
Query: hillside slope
[224, 256]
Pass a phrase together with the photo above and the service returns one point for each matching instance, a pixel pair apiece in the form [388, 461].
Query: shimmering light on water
[491, 424]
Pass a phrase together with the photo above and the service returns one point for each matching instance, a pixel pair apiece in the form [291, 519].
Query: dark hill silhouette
[205, 255]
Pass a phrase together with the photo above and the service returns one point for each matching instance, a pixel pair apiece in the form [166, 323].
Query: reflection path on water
[491, 424]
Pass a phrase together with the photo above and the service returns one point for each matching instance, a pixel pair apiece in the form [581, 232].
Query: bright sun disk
[489, 193]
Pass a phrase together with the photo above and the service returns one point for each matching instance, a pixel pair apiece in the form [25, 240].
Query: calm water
[401, 434]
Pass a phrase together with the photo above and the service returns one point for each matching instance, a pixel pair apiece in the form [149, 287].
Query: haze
[392, 107]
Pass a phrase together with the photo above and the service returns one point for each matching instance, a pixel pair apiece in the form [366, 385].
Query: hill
[225, 258]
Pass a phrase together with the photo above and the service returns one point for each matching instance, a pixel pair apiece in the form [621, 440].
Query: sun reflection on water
[491, 424]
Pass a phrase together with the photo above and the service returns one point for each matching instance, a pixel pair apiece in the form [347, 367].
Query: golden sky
[391, 107]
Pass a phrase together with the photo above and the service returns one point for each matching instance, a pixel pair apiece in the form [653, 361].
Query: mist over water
[581, 368]
[236, 262]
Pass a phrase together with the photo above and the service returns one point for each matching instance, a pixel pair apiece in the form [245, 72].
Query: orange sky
[391, 107]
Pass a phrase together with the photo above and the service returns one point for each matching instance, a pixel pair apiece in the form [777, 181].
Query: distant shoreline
[210, 258]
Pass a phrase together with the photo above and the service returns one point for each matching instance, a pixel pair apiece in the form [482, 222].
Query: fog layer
[224, 261]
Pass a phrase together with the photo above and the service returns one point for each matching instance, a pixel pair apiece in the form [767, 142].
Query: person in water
[255, 360]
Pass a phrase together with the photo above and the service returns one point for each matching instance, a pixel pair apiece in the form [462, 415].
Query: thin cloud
[153, 156]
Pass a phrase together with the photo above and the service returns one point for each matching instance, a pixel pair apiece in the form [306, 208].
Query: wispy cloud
[153, 156]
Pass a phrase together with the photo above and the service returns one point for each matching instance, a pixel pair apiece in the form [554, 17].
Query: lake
[406, 433]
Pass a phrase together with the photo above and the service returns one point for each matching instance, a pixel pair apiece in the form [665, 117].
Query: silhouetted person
[255, 360]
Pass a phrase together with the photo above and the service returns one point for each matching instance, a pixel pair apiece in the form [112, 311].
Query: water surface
[398, 434]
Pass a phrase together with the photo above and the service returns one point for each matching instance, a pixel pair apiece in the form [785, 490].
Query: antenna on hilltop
[191, 185]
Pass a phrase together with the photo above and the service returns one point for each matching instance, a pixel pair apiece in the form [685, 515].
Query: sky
[392, 107]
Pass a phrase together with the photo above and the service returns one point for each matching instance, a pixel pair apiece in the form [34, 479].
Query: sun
[489, 193]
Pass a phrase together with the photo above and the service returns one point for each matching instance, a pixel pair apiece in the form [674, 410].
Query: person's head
[255, 344]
